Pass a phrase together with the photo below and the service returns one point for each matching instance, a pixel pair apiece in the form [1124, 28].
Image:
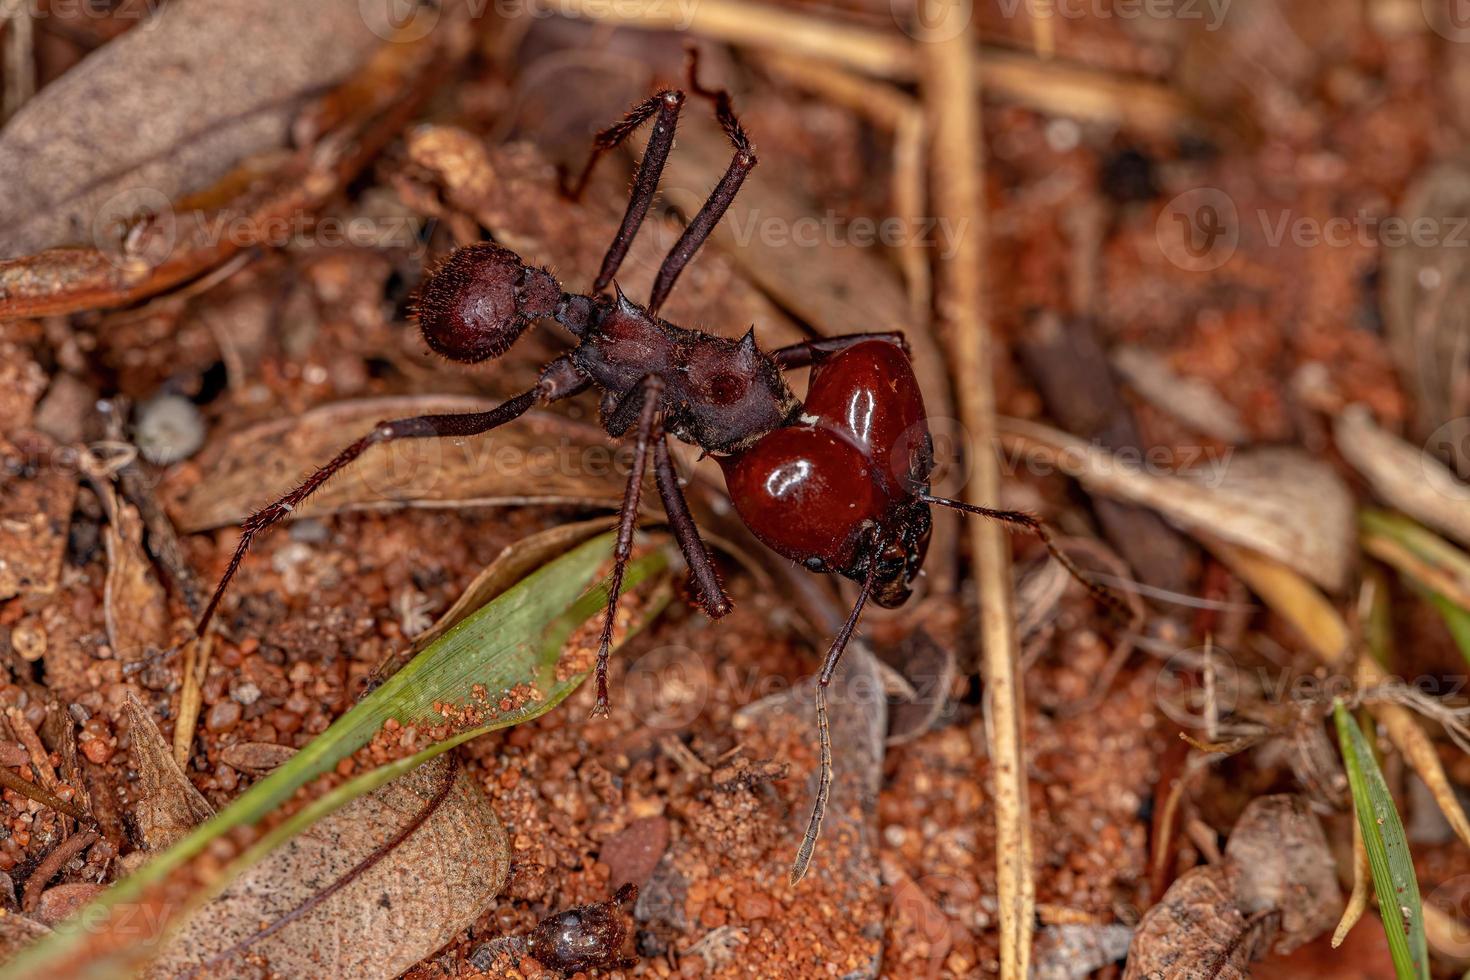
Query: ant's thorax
[719, 394]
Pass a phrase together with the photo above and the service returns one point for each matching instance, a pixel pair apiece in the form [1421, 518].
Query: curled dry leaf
[166, 805]
[1192, 401]
[175, 146]
[134, 603]
[1276, 889]
[1285, 866]
[1426, 296]
[1280, 502]
[1404, 475]
[1195, 930]
[543, 458]
[255, 758]
[513, 191]
[367, 891]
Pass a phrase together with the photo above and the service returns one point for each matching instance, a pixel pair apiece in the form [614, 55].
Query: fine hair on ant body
[838, 482]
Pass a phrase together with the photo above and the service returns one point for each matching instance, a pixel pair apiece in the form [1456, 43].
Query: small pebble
[169, 429]
[223, 716]
[60, 901]
[246, 693]
[29, 640]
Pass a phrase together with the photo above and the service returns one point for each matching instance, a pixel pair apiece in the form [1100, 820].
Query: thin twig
[19, 58]
[949, 89]
[40, 758]
[52, 865]
[39, 793]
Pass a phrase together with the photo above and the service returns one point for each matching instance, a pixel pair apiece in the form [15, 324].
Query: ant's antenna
[1020, 519]
[824, 731]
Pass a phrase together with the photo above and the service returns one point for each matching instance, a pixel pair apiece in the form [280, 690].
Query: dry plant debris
[217, 224]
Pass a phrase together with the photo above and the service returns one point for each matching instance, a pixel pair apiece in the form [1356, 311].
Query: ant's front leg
[559, 380]
[651, 390]
[720, 198]
[802, 354]
[667, 105]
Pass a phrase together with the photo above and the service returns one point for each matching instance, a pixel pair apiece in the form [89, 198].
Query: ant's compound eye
[480, 301]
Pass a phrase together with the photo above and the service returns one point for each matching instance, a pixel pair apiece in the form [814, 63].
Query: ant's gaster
[839, 483]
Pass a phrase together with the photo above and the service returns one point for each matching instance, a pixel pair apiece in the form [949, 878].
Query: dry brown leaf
[1194, 929]
[1404, 475]
[134, 603]
[513, 191]
[166, 806]
[255, 758]
[167, 110]
[1280, 502]
[367, 891]
[35, 516]
[203, 132]
[1426, 296]
[1192, 401]
[540, 458]
[1286, 866]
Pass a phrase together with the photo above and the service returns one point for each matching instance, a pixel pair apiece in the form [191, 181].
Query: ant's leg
[651, 389]
[559, 380]
[824, 731]
[645, 184]
[1026, 522]
[614, 135]
[802, 354]
[720, 198]
[696, 555]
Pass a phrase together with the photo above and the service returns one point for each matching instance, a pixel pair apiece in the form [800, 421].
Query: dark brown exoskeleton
[585, 937]
[839, 482]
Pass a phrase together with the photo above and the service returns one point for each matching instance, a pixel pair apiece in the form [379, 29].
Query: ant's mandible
[838, 483]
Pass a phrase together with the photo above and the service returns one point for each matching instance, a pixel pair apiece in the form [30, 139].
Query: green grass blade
[515, 639]
[1399, 904]
[1455, 618]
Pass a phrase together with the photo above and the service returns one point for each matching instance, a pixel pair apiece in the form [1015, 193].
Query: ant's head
[479, 302]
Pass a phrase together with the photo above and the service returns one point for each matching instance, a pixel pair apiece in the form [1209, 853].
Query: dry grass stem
[957, 185]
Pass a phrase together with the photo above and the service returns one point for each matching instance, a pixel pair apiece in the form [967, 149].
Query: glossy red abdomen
[811, 490]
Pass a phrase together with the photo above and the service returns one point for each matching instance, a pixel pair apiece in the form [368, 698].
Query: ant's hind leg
[696, 555]
[559, 380]
[699, 229]
[651, 390]
[802, 354]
